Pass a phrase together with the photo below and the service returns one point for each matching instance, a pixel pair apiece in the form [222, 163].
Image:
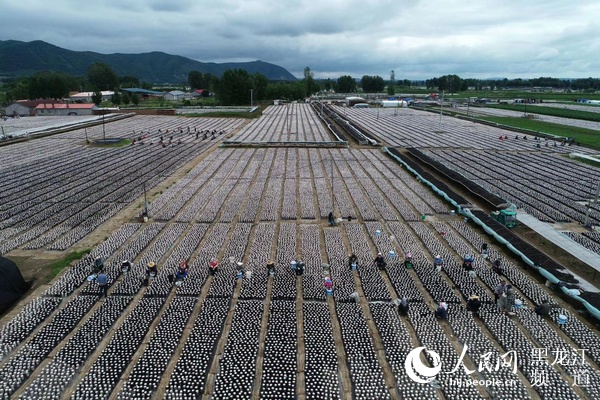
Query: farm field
[587, 115]
[280, 336]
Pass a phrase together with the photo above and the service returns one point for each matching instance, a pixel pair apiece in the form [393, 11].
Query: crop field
[587, 115]
[281, 336]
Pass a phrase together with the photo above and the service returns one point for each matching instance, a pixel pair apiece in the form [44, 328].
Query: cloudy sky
[418, 39]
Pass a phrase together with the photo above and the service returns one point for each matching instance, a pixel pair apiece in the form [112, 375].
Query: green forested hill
[25, 58]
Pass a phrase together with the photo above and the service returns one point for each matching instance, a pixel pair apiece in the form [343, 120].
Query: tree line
[237, 86]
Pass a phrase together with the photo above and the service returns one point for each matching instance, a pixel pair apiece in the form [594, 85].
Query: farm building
[175, 95]
[143, 92]
[25, 108]
[46, 109]
[351, 101]
[86, 97]
[394, 104]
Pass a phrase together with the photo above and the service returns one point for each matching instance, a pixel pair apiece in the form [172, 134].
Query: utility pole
[251, 98]
[441, 110]
[103, 131]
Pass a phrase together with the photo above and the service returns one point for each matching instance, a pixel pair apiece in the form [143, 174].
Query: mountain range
[26, 58]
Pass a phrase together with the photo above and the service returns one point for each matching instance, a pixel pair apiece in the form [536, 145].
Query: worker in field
[408, 260]
[403, 306]
[474, 304]
[299, 268]
[438, 263]
[352, 261]
[379, 261]
[497, 267]
[102, 281]
[468, 266]
[151, 269]
[98, 265]
[182, 271]
[331, 219]
[500, 290]
[125, 266]
[543, 309]
[442, 311]
[213, 265]
[270, 268]
[506, 302]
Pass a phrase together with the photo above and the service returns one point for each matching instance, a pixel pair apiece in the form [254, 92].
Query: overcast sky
[418, 39]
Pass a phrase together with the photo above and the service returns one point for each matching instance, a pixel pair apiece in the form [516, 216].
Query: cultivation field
[499, 112]
[559, 112]
[281, 336]
[25, 125]
[564, 106]
[534, 174]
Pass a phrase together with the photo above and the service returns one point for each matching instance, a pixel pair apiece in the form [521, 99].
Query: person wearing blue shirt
[181, 272]
[102, 281]
[438, 263]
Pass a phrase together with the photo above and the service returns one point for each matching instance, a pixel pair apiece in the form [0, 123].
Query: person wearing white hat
[442, 311]
[379, 261]
[125, 266]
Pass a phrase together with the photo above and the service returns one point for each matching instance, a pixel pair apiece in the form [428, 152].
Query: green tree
[129, 82]
[372, 84]
[260, 83]
[391, 89]
[19, 89]
[125, 99]
[135, 99]
[196, 80]
[102, 76]
[234, 87]
[50, 85]
[309, 81]
[286, 90]
[346, 84]
[97, 97]
[116, 99]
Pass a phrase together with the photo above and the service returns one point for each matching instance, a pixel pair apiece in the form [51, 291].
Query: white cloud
[418, 39]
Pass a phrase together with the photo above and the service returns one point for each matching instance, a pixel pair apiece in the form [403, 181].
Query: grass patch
[72, 256]
[585, 161]
[553, 111]
[225, 114]
[587, 137]
[120, 143]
